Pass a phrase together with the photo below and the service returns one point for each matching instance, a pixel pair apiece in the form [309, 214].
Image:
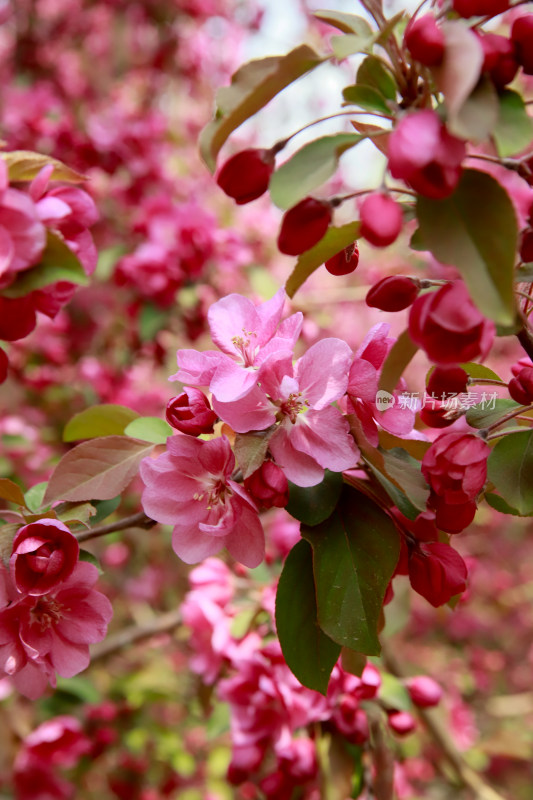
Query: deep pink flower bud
[480, 8]
[58, 741]
[4, 364]
[304, 225]
[437, 415]
[521, 386]
[526, 245]
[344, 262]
[522, 36]
[381, 219]
[447, 379]
[393, 293]
[402, 722]
[499, 58]
[17, 317]
[268, 486]
[424, 691]
[437, 572]
[448, 326]
[190, 412]
[425, 155]
[425, 40]
[452, 518]
[245, 176]
[455, 466]
[44, 555]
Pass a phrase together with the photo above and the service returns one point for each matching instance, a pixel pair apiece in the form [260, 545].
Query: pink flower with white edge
[44, 555]
[247, 335]
[190, 487]
[45, 634]
[312, 435]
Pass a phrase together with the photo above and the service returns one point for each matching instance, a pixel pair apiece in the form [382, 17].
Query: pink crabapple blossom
[190, 487]
[44, 555]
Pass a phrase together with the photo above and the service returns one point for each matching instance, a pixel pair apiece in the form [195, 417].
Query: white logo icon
[384, 400]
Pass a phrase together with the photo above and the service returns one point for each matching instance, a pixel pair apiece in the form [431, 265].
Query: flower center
[244, 347]
[293, 406]
[215, 494]
[46, 612]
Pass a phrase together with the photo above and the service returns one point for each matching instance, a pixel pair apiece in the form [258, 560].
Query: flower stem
[139, 520]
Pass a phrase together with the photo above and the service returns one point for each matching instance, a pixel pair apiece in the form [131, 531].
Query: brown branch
[134, 633]
[526, 340]
[139, 520]
[468, 777]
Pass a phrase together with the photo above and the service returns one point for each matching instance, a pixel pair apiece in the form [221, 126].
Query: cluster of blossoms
[49, 609]
[27, 218]
[300, 416]
[275, 720]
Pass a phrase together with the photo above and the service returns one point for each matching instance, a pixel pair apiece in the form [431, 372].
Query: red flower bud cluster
[499, 60]
[437, 572]
[455, 466]
[246, 175]
[304, 225]
[448, 326]
[393, 293]
[425, 40]
[190, 412]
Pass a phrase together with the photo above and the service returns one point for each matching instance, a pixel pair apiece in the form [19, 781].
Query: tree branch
[139, 520]
[469, 777]
[525, 339]
[134, 633]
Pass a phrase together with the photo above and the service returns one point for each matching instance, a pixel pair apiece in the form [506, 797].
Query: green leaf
[91, 559]
[398, 497]
[103, 420]
[313, 504]
[524, 274]
[58, 263]
[405, 471]
[97, 470]
[24, 165]
[514, 129]
[34, 497]
[252, 87]
[510, 468]
[475, 230]
[479, 372]
[352, 661]
[355, 552]
[499, 504]
[12, 492]
[459, 72]
[149, 429]
[478, 115]
[347, 23]
[310, 654]
[104, 509]
[393, 693]
[250, 450]
[151, 320]
[335, 240]
[372, 73]
[82, 689]
[483, 415]
[400, 355]
[366, 97]
[75, 512]
[350, 44]
[309, 168]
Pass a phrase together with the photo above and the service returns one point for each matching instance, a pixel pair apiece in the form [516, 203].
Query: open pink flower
[22, 235]
[312, 434]
[247, 335]
[190, 487]
[41, 635]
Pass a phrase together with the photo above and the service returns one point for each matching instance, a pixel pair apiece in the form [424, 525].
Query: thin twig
[134, 633]
[469, 777]
[139, 520]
